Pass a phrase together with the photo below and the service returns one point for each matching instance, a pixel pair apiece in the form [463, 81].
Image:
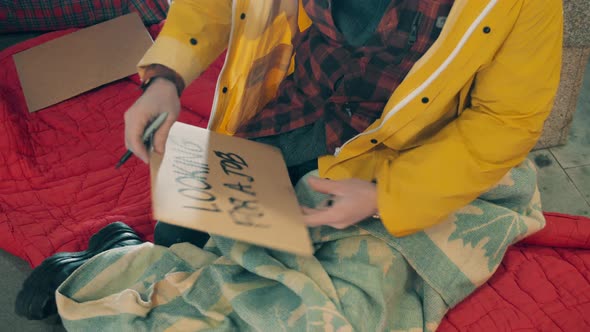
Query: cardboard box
[81, 61]
[227, 186]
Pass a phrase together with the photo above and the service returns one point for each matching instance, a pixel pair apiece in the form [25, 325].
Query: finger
[317, 218]
[134, 127]
[162, 133]
[328, 202]
[325, 204]
[307, 210]
[320, 217]
[323, 186]
[340, 226]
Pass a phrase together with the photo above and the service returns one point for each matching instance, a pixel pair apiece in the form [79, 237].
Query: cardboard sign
[78, 62]
[227, 186]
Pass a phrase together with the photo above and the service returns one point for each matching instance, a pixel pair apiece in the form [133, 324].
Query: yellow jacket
[470, 109]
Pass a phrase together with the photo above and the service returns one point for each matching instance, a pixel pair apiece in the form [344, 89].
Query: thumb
[323, 186]
[161, 134]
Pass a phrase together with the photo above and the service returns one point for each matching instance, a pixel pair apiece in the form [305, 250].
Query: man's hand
[161, 96]
[352, 201]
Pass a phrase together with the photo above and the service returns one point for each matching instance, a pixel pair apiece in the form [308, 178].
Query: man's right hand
[161, 96]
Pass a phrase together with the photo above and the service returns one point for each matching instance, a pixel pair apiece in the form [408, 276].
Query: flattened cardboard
[227, 186]
[81, 61]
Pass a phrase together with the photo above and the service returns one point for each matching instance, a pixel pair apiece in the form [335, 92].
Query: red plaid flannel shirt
[47, 15]
[348, 87]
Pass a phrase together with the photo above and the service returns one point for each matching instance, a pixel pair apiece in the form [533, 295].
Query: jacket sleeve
[194, 35]
[510, 101]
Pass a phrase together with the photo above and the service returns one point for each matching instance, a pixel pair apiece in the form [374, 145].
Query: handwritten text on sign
[192, 173]
[227, 186]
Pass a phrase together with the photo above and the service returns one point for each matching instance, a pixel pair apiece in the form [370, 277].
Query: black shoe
[36, 300]
[167, 235]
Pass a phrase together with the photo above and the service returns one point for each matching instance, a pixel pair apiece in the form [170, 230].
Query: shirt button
[193, 41]
[242, 16]
[224, 90]
[348, 109]
[487, 30]
[374, 141]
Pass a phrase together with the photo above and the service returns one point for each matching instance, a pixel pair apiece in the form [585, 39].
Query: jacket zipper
[412, 38]
[414, 31]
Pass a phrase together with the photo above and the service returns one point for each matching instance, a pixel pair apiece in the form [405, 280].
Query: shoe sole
[36, 300]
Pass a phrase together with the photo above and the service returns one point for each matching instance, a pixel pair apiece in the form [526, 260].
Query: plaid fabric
[348, 87]
[45, 15]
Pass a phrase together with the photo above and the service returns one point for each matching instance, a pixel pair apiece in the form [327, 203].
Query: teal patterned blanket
[359, 279]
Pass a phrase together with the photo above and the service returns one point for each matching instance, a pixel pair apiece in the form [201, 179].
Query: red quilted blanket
[58, 186]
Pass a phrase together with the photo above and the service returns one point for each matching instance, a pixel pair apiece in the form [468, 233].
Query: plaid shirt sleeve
[47, 15]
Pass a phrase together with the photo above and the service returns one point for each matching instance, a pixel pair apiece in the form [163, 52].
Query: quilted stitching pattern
[58, 184]
[537, 287]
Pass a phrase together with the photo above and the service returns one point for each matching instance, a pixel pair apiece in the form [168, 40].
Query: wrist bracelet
[172, 78]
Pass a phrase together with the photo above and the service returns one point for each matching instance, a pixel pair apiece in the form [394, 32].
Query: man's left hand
[351, 201]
